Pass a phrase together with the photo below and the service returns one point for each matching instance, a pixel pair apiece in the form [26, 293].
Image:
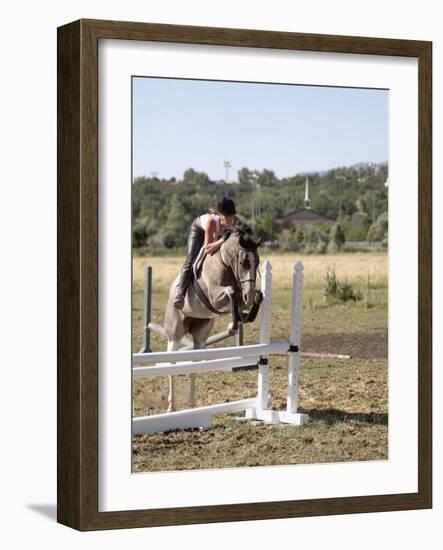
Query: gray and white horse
[226, 284]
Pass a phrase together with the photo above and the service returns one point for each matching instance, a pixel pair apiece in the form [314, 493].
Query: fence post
[265, 334]
[294, 339]
[239, 335]
[147, 305]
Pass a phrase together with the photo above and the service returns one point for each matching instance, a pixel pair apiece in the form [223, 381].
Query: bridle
[233, 265]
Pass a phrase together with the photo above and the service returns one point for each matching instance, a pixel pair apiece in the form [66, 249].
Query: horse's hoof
[258, 297]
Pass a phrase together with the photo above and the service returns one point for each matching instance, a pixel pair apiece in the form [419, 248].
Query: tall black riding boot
[195, 242]
[182, 287]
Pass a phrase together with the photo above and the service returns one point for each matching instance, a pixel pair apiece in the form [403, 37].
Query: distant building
[301, 217]
[304, 215]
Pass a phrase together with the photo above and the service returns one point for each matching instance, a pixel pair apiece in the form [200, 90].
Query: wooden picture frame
[77, 454]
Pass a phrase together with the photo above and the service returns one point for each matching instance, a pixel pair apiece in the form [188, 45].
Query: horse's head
[240, 253]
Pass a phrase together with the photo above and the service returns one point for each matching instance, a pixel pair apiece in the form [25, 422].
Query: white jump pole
[200, 417]
[188, 367]
[252, 350]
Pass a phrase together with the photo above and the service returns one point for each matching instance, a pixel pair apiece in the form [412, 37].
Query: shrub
[288, 242]
[321, 247]
[379, 229]
[337, 238]
[346, 292]
[298, 235]
[308, 238]
[138, 237]
[334, 290]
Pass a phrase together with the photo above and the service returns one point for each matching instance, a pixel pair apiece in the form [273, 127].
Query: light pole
[254, 179]
[227, 165]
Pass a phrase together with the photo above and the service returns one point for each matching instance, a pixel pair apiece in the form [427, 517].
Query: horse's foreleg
[172, 346]
[253, 312]
[200, 331]
[235, 309]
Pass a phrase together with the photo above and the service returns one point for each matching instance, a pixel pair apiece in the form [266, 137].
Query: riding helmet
[226, 207]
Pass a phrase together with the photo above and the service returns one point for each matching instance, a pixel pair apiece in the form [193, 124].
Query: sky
[180, 124]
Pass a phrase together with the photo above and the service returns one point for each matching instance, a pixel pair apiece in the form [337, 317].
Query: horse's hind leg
[200, 331]
[192, 378]
[176, 327]
[172, 346]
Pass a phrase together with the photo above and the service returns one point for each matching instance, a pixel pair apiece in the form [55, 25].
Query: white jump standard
[205, 360]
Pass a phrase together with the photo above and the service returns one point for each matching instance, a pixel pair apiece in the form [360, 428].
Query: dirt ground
[368, 345]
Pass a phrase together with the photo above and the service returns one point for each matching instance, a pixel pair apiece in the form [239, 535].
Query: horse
[225, 284]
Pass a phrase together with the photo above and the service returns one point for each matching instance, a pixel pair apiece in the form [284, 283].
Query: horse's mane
[245, 234]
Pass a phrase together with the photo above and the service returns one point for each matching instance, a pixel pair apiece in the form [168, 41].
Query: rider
[205, 231]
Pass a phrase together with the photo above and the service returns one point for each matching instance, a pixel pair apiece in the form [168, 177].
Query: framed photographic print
[244, 274]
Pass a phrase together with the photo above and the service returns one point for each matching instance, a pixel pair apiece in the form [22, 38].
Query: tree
[177, 224]
[267, 177]
[337, 238]
[189, 175]
[266, 227]
[356, 226]
[202, 179]
[138, 236]
[244, 176]
[199, 179]
[383, 221]
[361, 195]
[379, 229]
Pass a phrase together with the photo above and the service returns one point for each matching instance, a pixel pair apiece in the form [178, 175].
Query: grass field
[347, 400]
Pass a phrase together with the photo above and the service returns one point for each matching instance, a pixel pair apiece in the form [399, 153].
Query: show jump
[189, 361]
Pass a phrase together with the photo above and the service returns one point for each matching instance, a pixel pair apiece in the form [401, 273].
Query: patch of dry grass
[354, 267]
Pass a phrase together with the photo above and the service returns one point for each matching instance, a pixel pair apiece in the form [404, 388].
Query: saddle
[196, 270]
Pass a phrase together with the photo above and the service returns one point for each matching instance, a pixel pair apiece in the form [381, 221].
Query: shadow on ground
[333, 416]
